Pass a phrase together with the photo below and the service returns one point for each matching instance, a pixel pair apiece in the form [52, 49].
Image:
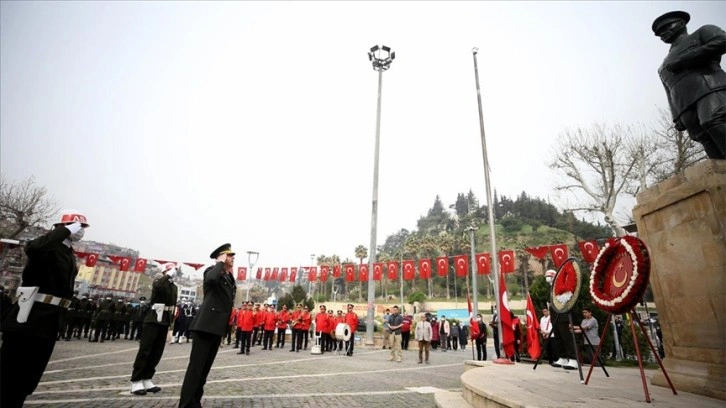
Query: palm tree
[446, 246]
[429, 248]
[360, 253]
[384, 258]
[411, 248]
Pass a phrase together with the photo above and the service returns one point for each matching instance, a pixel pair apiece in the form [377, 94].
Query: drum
[342, 332]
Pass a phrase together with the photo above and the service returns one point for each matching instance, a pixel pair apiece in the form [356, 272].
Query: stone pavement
[83, 374]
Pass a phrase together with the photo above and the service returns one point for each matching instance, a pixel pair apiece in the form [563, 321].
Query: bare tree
[595, 161]
[23, 204]
[678, 150]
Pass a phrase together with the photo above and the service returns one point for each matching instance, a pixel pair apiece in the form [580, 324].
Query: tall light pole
[252, 257]
[311, 285]
[474, 289]
[381, 58]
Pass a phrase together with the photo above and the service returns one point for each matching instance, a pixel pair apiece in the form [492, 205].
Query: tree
[23, 204]
[677, 149]
[360, 253]
[595, 161]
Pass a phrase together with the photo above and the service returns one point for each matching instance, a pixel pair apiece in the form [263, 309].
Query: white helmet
[169, 266]
[70, 216]
[550, 275]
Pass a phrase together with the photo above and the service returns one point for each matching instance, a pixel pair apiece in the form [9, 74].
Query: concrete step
[449, 399]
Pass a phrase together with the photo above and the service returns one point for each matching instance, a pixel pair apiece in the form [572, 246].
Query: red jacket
[296, 322]
[322, 321]
[233, 317]
[245, 320]
[307, 320]
[270, 320]
[282, 318]
[336, 321]
[352, 319]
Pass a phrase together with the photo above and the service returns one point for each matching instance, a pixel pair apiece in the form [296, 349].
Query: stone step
[450, 399]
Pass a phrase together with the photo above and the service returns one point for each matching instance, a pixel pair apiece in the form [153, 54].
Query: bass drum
[342, 332]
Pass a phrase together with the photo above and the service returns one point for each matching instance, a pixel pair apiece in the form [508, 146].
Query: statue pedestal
[683, 222]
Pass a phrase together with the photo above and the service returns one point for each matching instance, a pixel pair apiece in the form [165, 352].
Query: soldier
[104, 315]
[118, 319]
[72, 316]
[153, 340]
[137, 319]
[85, 308]
[126, 326]
[31, 325]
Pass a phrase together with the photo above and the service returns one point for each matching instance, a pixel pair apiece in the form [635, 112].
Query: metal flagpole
[492, 235]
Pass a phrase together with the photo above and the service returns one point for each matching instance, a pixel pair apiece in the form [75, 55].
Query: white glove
[75, 227]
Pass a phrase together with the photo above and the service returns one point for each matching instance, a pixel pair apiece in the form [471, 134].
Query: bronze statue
[694, 81]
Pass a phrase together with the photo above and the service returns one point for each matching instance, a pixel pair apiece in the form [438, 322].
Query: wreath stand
[634, 318]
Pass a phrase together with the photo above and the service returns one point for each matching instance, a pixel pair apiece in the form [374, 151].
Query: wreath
[620, 275]
[566, 286]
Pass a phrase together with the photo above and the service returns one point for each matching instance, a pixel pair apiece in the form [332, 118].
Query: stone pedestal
[683, 222]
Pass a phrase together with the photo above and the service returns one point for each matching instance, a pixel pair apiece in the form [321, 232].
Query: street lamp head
[475, 50]
[252, 257]
[381, 57]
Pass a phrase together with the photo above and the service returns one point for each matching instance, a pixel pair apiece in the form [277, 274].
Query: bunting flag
[483, 264]
[115, 259]
[91, 260]
[140, 265]
[241, 273]
[196, 266]
[312, 273]
[275, 273]
[125, 262]
[533, 347]
[349, 272]
[474, 331]
[409, 270]
[442, 265]
[424, 268]
[336, 271]
[506, 261]
[505, 317]
[324, 271]
[259, 273]
[363, 272]
[538, 252]
[589, 250]
[559, 254]
[392, 268]
[283, 274]
[377, 271]
[159, 261]
[268, 272]
[293, 274]
[461, 265]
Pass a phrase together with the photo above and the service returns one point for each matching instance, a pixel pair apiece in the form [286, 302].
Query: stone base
[694, 377]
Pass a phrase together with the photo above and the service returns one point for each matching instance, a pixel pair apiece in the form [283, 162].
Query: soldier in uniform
[137, 319]
[694, 81]
[106, 309]
[85, 310]
[118, 320]
[72, 316]
[153, 338]
[210, 325]
[31, 325]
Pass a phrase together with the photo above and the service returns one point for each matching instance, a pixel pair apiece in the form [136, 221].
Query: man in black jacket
[31, 326]
[210, 325]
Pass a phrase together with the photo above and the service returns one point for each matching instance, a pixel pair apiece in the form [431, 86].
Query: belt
[169, 308]
[52, 300]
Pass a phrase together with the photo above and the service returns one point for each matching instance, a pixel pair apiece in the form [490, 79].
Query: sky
[179, 126]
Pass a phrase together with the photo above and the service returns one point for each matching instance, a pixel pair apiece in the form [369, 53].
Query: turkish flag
[259, 273]
[363, 272]
[283, 274]
[324, 271]
[377, 271]
[241, 273]
[538, 252]
[533, 347]
[483, 264]
[442, 265]
[424, 268]
[115, 258]
[461, 265]
[312, 272]
[293, 274]
[268, 272]
[125, 262]
[349, 272]
[159, 261]
[589, 250]
[505, 316]
[559, 254]
[275, 273]
[140, 265]
[91, 260]
[196, 266]
[336, 271]
[506, 261]
[409, 270]
[392, 268]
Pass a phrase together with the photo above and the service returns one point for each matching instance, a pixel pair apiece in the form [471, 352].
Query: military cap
[668, 18]
[224, 249]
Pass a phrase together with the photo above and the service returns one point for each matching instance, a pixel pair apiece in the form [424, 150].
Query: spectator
[406, 330]
[423, 335]
[454, 335]
[444, 330]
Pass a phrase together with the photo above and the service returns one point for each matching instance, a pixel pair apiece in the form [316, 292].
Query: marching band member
[283, 317]
[352, 320]
[269, 326]
[296, 327]
[245, 324]
[307, 321]
[322, 321]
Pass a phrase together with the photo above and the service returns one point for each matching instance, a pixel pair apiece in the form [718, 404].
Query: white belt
[52, 300]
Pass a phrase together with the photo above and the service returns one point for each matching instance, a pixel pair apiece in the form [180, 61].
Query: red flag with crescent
[533, 347]
[312, 273]
[275, 273]
[283, 274]
[196, 266]
[409, 270]
[140, 265]
[392, 270]
[241, 273]
[324, 271]
[424, 268]
[91, 260]
[363, 272]
[483, 264]
[349, 272]
[377, 271]
[442, 265]
[124, 263]
[115, 258]
[506, 261]
[461, 265]
[506, 318]
[336, 271]
[161, 262]
[293, 274]
[589, 250]
[559, 254]
[259, 273]
[268, 272]
[538, 252]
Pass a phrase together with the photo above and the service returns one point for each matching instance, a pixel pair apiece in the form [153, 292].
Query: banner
[533, 347]
[442, 266]
[392, 268]
[589, 250]
[559, 254]
[241, 273]
[140, 265]
[461, 265]
[538, 252]
[377, 271]
[349, 272]
[424, 268]
[409, 270]
[506, 261]
[483, 264]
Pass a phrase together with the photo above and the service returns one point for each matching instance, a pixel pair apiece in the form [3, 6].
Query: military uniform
[106, 309]
[72, 316]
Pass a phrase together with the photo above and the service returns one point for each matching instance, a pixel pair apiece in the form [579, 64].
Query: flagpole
[492, 235]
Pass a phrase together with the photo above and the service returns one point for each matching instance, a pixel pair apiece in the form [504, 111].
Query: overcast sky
[177, 127]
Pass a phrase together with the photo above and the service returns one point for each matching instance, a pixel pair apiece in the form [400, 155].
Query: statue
[694, 81]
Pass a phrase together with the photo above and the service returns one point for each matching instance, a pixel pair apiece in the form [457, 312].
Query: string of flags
[125, 264]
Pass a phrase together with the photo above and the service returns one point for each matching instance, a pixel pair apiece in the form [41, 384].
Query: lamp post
[311, 284]
[381, 58]
[252, 257]
[474, 289]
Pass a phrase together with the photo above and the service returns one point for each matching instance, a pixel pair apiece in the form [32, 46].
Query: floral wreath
[566, 286]
[620, 275]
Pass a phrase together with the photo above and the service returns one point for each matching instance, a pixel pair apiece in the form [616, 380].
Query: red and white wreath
[620, 275]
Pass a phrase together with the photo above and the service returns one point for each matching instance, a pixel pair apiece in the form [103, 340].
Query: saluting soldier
[31, 325]
[153, 337]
